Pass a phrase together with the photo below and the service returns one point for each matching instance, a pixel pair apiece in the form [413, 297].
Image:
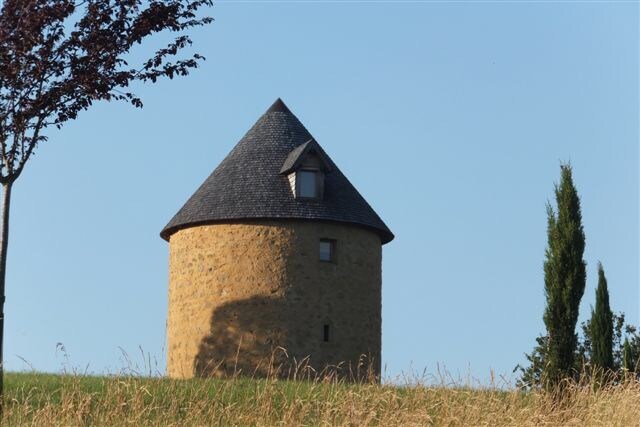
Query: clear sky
[450, 118]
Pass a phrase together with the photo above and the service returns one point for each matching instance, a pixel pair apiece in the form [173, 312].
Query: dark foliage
[627, 358]
[57, 57]
[531, 375]
[631, 355]
[564, 277]
[601, 327]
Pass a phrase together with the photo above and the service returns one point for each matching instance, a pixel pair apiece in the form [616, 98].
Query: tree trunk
[4, 241]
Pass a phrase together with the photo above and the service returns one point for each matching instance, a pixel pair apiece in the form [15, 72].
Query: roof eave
[386, 236]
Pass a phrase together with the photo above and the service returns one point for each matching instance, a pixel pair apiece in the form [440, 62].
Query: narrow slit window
[327, 250]
[325, 333]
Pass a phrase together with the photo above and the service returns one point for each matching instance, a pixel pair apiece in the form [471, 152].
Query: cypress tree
[564, 279]
[627, 358]
[602, 326]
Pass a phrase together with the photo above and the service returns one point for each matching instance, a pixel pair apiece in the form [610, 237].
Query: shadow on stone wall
[246, 338]
[249, 337]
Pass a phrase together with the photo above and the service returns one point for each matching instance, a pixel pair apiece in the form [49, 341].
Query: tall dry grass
[44, 399]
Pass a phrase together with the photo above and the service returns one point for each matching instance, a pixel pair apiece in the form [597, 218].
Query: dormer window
[309, 184]
[306, 167]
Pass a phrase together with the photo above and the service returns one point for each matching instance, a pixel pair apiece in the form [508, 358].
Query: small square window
[327, 250]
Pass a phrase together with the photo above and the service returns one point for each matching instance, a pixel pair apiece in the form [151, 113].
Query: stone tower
[276, 258]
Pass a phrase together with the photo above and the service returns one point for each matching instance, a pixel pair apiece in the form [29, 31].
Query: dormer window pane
[306, 181]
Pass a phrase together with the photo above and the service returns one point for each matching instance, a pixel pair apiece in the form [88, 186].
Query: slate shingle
[248, 185]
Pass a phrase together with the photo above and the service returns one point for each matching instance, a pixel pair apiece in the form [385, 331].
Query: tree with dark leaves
[531, 376]
[628, 365]
[601, 327]
[564, 279]
[58, 57]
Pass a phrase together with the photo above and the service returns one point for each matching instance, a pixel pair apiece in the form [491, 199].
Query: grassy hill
[45, 399]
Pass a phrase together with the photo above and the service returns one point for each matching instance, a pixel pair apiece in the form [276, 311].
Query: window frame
[319, 184]
[332, 250]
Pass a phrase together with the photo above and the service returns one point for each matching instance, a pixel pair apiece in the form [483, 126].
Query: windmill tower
[275, 250]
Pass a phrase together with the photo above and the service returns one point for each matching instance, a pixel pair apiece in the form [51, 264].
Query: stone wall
[241, 293]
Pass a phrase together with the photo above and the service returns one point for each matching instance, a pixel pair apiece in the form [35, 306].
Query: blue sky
[450, 118]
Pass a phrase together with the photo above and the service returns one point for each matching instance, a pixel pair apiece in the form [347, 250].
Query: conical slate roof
[248, 183]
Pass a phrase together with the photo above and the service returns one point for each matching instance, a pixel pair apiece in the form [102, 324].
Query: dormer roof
[298, 154]
[251, 182]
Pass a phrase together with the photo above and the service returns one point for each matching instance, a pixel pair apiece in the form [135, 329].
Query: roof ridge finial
[278, 106]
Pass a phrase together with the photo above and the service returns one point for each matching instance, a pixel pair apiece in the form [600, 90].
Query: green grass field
[45, 399]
